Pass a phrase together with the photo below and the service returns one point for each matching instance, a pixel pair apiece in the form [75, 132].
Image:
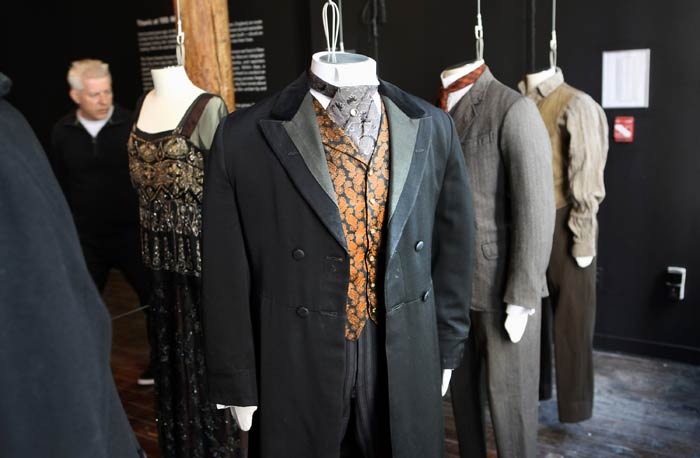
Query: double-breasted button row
[298, 254]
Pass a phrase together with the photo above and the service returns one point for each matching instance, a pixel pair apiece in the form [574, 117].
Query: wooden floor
[646, 408]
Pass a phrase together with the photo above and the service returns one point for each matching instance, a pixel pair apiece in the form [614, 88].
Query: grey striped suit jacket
[509, 158]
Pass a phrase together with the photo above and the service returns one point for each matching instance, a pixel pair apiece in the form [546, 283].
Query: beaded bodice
[167, 169]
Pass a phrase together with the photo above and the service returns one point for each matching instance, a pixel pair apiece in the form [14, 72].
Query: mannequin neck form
[452, 74]
[172, 94]
[532, 80]
[353, 70]
[172, 81]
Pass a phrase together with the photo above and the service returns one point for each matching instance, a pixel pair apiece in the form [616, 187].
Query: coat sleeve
[527, 157]
[228, 331]
[588, 152]
[453, 256]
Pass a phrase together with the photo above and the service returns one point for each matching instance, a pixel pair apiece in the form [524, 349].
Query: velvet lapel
[293, 135]
[410, 130]
[295, 139]
[304, 132]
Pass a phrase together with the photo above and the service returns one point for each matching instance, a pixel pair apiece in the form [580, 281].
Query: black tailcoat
[275, 274]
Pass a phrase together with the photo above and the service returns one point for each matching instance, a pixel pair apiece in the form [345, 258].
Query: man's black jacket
[94, 173]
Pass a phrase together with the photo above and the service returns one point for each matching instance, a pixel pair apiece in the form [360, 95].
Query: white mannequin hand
[446, 376]
[516, 321]
[584, 261]
[243, 416]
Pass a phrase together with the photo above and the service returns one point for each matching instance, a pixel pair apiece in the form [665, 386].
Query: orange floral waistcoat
[362, 190]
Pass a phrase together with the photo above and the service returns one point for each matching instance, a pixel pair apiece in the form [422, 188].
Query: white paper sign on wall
[626, 78]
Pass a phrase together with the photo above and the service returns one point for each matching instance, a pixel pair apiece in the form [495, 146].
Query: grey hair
[86, 68]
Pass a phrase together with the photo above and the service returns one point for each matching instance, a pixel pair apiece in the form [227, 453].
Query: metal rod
[180, 38]
[553, 39]
[479, 33]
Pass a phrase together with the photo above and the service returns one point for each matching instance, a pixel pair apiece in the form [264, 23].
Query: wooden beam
[208, 46]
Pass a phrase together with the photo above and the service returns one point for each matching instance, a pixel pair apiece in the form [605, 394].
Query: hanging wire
[340, 20]
[374, 15]
[334, 29]
[180, 47]
[479, 33]
[553, 40]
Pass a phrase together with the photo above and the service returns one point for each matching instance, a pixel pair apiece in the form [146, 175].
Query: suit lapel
[304, 132]
[404, 132]
[467, 109]
[293, 135]
[410, 140]
[296, 142]
[464, 112]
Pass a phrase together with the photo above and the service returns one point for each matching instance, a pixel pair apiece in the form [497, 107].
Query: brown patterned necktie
[352, 109]
[466, 80]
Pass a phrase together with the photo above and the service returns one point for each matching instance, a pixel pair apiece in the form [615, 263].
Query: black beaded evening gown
[167, 170]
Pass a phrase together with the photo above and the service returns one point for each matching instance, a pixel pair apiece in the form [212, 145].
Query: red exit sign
[623, 132]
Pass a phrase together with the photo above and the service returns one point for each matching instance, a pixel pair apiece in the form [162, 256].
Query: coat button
[303, 312]
[298, 254]
[426, 295]
[419, 245]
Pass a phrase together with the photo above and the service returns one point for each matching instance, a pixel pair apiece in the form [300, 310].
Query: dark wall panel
[39, 41]
[420, 38]
[651, 216]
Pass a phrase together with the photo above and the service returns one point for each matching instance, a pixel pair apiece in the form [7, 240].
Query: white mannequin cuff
[513, 309]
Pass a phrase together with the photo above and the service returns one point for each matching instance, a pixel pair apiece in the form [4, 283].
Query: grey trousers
[568, 317]
[509, 373]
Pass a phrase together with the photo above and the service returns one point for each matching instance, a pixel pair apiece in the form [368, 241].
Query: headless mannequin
[516, 320]
[162, 110]
[172, 94]
[351, 70]
[533, 80]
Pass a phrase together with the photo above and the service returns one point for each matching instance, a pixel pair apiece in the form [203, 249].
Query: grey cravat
[352, 109]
